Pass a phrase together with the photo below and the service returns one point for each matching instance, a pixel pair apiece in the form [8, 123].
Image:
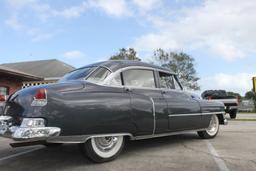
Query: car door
[149, 108]
[184, 111]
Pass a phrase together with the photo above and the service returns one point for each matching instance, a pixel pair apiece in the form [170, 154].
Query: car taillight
[40, 98]
[40, 94]
[237, 100]
[2, 98]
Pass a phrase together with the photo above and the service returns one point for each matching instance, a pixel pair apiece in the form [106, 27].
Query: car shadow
[69, 157]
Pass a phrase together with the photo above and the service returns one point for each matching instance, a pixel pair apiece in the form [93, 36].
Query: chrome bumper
[23, 132]
[225, 121]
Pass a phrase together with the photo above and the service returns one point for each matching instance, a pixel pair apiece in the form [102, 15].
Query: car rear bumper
[228, 108]
[225, 121]
[26, 133]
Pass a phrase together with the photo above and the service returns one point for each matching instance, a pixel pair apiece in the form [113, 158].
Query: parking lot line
[221, 164]
[19, 154]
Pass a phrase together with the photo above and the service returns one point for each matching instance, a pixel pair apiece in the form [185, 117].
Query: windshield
[77, 74]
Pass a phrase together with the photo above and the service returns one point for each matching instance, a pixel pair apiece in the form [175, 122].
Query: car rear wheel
[212, 130]
[103, 149]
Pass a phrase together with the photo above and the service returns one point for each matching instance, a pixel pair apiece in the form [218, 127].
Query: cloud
[238, 82]
[42, 11]
[38, 35]
[74, 54]
[116, 8]
[224, 28]
[147, 5]
[72, 12]
[45, 11]
[17, 4]
[13, 23]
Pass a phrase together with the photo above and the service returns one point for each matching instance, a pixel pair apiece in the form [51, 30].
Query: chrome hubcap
[214, 126]
[105, 144]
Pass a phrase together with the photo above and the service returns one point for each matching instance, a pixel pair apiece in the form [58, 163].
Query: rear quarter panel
[209, 107]
[90, 111]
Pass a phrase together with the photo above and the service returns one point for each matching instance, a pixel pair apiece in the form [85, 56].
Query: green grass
[247, 113]
[244, 120]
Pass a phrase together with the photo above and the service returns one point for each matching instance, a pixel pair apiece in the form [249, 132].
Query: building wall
[13, 85]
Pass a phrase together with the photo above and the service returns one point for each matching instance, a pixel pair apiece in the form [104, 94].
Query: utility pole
[254, 84]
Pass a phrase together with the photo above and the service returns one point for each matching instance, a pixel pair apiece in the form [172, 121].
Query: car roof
[115, 65]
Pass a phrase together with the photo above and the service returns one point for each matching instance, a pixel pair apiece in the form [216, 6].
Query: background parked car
[231, 102]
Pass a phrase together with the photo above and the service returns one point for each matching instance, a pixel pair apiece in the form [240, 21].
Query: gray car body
[83, 109]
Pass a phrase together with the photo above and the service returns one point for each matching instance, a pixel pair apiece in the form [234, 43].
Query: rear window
[99, 75]
[78, 74]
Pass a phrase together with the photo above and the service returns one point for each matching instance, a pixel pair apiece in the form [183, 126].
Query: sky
[219, 34]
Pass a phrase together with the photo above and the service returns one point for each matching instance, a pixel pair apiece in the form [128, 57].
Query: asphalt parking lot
[233, 149]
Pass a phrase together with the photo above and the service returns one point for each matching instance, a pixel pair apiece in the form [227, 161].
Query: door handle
[127, 89]
[163, 92]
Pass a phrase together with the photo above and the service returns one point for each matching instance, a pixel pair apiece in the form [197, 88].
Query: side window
[77, 74]
[116, 81]
[99, 75]
[176, 84]
[139, 78]
[166, 80]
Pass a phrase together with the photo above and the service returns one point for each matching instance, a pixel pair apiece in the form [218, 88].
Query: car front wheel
[212, 130]
[103, 149]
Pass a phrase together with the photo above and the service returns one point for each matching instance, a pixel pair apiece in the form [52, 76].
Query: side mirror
[254, 84]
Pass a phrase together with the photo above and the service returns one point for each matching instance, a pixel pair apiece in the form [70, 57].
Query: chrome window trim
[107, 81]
[174, 76]
[106, 68]
[154, 115]
[196, 114]
[96, 68]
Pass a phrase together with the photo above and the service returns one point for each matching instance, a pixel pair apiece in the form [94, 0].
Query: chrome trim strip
[233, 107]
[106, 68]
[154, 115]
[165, 134]
[84, 138]
[81, 138]
[107, 81]
[5, 118]
[196, 114]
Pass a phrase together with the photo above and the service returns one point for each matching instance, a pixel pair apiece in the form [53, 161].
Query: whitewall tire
[212, 130]
[103, 149]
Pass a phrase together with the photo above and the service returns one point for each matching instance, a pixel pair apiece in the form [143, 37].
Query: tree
[182, 64]
[229, 93]
[126, 54]
[250, 95]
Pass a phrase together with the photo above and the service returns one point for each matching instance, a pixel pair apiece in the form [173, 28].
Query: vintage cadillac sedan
[101, 105]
